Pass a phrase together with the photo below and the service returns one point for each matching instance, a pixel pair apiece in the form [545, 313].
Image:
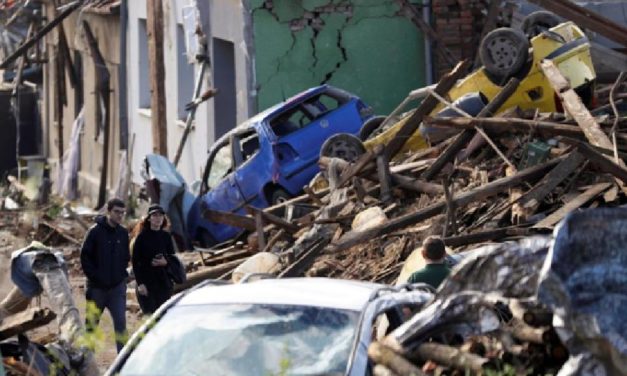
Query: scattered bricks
[458, 22]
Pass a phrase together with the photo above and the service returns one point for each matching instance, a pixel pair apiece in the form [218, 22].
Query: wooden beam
[428, 104]
[575, 203]
[502, 125]
[383, 173]
[382, 354]
[298, 267]
[155, 26]
[25, 321]
[401, 180]
[209, 273]
[601, 161]
[271, 218]
[488, 190]
[453, 357]
[64, 49]
[531, 200]
[484, 236]
[230, 219]
[463, 138]
[575, 107]
[192, 111]
[261, 236]
[28, 43]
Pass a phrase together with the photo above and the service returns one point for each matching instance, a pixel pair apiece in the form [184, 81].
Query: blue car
[262, 162]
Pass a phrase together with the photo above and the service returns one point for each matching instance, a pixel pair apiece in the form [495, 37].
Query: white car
[293, 326]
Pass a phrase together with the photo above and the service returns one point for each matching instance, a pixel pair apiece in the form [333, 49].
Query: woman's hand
[159, 261]
[142, 290]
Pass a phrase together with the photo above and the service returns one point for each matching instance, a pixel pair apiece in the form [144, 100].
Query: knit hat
[155, 208]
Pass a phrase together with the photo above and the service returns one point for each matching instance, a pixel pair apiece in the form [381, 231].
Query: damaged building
[255, 54]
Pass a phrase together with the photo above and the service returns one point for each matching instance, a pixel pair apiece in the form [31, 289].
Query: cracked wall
[364, 46]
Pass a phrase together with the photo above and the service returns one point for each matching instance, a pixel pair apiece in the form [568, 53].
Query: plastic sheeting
[464, 313]
[39, 268]
[584, 282]
[580, 275]
[67, 182]
[22, 273]
[510, 268]
[174, 197]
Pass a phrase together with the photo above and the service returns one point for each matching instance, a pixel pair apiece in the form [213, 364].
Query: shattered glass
[246, 339]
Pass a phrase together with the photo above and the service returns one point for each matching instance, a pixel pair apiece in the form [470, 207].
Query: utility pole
[154, 24]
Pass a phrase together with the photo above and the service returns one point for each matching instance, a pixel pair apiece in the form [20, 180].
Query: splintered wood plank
[575, 107]
[574, 204]
[25, 321]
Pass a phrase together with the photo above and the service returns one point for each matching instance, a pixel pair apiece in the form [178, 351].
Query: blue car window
[250, 146]
[290, 121]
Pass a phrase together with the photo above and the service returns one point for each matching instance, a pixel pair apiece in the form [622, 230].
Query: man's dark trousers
[114, 300]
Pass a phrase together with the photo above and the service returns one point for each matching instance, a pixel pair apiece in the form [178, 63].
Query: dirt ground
[105, 351]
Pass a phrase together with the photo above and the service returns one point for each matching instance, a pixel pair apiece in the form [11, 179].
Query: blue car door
[223, 194]
[303, 129]
[254, 161]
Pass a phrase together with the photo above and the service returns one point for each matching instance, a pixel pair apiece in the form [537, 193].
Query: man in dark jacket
[104, 258]
[436, 270]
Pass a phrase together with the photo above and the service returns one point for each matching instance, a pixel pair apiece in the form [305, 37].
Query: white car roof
[318, 292]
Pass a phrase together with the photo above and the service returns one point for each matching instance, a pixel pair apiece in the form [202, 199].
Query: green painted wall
[363, 46]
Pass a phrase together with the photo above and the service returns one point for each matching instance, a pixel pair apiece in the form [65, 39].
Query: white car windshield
[246, 339]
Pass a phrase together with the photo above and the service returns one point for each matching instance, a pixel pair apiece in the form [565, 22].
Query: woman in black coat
[151, 249]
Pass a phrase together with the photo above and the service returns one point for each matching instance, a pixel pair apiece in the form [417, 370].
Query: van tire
[504, 52]
[370, 127]
[537, 22]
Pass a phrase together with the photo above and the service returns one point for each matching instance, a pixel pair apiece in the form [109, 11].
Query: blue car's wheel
[205, 238]
[344, 146]
[279, 196]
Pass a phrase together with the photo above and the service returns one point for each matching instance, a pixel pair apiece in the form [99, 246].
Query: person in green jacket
[435, 270]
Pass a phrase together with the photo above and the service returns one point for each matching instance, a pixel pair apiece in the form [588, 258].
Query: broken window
[248, 145]
[319, 105]
[220, 164]
[290, 121]
[185, 74]
[310, 110]
[144, 68]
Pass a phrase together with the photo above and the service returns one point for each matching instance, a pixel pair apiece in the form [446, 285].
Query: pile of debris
[539, 306]
[532, 169]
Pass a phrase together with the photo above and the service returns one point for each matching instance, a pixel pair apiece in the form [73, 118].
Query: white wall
[227, 20]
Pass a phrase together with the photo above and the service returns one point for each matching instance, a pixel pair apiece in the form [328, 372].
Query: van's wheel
[504, 52]
[344, 146]
[279, 196]
[538, 22]
[370, 127]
